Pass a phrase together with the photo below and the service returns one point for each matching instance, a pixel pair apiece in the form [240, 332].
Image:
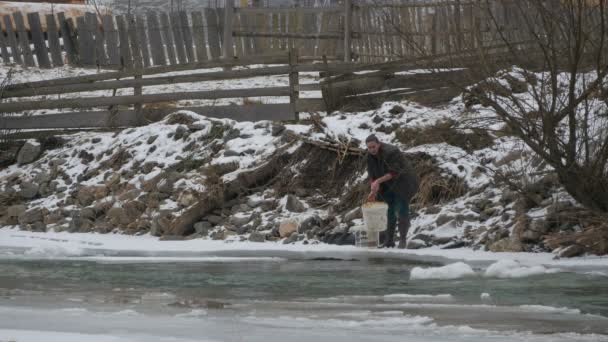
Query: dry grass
[250, 102]
[434, 187]
[594, 234]
[445, 132]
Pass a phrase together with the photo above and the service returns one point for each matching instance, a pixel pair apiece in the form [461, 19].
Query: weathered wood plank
[134, 42]
[53, 39]
[212, 32]
[271, 59]
[198, 33]
[42, 53]
[348, 16]
[133, 99]
[12, 40]
[143, 40]
[294, 83]
[289, 10]
[6, 58]
[227, 41]
[86, 43]
[151, 81]
[111, 38]
[246, 25]
[126, 59]
[238, 41]
[178, 38]
[126, 118]
[68, 37]
[24, 41]
[96, 28]
[168, 38]
[187, 36]
[156, 42]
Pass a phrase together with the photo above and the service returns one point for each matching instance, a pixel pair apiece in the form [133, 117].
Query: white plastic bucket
[374, 216]
[364, 238]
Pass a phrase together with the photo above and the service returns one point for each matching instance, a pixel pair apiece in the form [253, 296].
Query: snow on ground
[124, 248]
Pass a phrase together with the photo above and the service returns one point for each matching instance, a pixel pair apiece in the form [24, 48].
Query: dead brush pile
[445, 132]
[316, 171]
[591, 235]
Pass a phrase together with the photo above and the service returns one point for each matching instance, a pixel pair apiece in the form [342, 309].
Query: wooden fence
[113, 111]
[351, 32]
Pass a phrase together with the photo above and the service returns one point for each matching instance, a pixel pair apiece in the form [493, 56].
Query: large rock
[160, 223]
[31, 216]
[239, 220]
[86, 196]
[353, 215]
[80, 224]
[13, 212]
[294, 205]
[506, 245]
[257, 237]
[28, 190]
[571, 251]
[202, 227]
[415, 244]
[215, 219]
[118, 216]
[288, 227]
[29, 152]
[309, 223]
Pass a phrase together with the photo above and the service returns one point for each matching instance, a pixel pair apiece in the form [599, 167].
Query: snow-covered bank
[123, 248]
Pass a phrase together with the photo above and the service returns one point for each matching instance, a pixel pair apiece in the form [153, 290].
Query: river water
[278, 299]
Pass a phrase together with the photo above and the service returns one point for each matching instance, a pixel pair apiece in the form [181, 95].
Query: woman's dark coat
[389, 159]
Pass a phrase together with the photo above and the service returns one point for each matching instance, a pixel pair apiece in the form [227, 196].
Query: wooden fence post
[294, 84]
[348, 15]
[228, 18]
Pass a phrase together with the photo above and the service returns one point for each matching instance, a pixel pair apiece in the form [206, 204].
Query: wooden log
[24, 41]
[198, 32]
[53, 39]
[132, 99]
[126, 59]
[42, 54]
[178, 38]
[68, 37]
[86, 45]
[12, 40]
[212, 33]
[111, 38]
[168, 38]
[187, 35]
[143, 40]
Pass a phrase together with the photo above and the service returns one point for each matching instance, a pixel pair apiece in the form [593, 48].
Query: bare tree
[541, 66]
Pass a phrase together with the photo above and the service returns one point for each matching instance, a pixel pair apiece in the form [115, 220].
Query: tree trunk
[588, 189]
